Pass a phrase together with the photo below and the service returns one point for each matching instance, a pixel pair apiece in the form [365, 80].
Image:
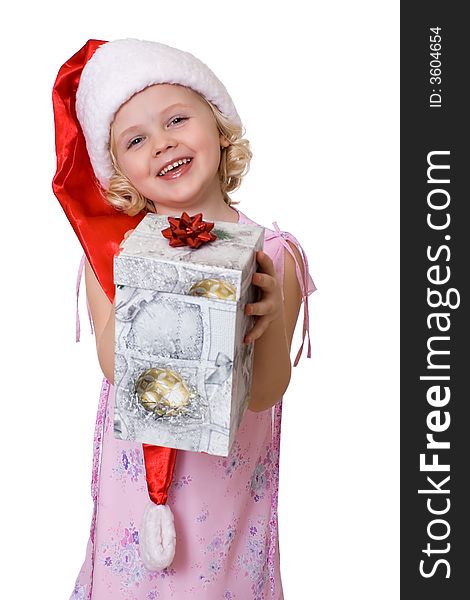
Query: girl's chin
[176, 206]
[183, 197]
[179, 202]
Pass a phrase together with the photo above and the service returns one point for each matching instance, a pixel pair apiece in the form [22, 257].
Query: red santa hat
[89, 90]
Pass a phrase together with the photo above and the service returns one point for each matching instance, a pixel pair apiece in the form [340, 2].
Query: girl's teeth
[176, 164]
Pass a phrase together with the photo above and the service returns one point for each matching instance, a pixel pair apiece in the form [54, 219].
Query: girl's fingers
[257, 331]
[264, 281]
[265, 262]
[126, 235]
[263, 307]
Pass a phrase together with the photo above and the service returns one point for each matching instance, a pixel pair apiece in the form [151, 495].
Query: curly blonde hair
[234, 165]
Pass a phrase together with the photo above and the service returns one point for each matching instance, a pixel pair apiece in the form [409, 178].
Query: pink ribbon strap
[77, 318]
[307, 286]
[100, 417]
[97, 449]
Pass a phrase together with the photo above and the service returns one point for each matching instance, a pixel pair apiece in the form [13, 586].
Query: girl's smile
[167, 143]
[175, 169]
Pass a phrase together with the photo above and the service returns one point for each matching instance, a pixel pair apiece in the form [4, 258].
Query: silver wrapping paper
[158, 325]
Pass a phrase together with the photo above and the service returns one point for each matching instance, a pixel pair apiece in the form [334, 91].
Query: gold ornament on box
[214, 288]
[162, 392]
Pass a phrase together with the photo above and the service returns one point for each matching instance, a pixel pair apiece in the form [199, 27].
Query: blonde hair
[234, 165]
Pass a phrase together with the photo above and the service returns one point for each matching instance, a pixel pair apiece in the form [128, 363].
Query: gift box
[182, 373]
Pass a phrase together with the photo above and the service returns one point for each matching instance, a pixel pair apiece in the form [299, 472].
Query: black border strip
[435, 357]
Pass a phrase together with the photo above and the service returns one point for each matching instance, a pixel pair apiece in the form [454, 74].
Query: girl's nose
[163, 143]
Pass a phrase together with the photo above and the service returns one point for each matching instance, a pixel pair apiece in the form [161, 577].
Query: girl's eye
[134, 141]
[178, 120]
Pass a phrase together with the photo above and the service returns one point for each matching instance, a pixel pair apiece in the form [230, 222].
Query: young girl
[162, 135]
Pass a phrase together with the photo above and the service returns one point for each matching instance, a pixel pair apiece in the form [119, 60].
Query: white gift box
[182, 373]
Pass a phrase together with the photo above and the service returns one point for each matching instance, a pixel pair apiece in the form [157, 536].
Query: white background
[316, 84]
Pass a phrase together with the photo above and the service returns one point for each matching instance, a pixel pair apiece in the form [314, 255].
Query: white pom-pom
[157, 537]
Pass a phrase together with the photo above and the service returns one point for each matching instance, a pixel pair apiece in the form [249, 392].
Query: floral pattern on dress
[204, 506]
[262, 477]
[234, 461]
[108, 420]
[203, 514]
[182, 481]
[130, 465]
[79, 591]
[217, 551]
[121, 556]
[178, 484]
[253, 562]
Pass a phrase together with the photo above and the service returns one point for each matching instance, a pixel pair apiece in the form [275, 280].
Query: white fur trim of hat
[118, 70]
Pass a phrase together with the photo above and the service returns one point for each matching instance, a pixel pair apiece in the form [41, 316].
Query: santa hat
[120, 69]
[89, 90]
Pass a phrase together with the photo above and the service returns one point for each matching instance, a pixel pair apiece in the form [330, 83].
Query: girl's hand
[126, 235]
[269, 307]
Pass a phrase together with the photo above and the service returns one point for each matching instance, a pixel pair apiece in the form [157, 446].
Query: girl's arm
[272, 365]
[102, 313]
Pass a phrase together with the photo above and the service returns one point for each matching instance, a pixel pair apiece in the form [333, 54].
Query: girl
[162, 135]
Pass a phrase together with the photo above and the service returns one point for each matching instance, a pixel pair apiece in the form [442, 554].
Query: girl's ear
[224, 143]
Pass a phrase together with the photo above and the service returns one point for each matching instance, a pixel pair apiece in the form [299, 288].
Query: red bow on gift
[189, 231]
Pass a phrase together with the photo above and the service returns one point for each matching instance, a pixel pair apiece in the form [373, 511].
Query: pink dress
[225, 509]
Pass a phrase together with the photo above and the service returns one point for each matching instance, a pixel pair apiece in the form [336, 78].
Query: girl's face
[160, 126]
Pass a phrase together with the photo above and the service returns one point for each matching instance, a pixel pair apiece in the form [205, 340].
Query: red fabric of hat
[99, 227]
